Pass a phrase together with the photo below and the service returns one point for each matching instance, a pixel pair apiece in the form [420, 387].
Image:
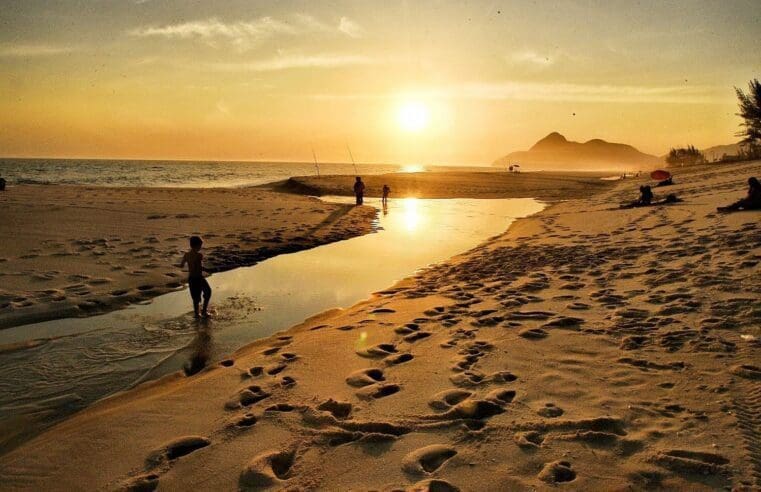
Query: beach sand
[78, 251]
[546, 186]
[588, 347]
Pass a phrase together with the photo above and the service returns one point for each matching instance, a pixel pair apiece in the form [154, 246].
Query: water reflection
[200, 348]
[411, 214]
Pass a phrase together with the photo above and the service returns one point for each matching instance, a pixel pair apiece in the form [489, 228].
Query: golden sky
[270, 80]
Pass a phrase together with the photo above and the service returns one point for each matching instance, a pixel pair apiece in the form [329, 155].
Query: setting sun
[413, 116]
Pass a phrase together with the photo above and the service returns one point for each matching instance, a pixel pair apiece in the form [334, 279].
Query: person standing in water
[359, 190]
[386, 191]
[196, 281]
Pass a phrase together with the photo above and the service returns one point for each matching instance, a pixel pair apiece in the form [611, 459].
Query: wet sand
[546, 186]
[77, 251]
[588, 347]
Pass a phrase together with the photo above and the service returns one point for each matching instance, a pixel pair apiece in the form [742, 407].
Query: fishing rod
[317, 166]
[352, 159]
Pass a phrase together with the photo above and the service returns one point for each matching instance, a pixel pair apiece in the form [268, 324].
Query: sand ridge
[588, 347]
[545, 186]
[78, 251]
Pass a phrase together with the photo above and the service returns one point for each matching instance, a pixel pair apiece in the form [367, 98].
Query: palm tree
[750, 112]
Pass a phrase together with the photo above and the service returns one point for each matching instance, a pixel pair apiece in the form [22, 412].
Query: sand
[546, 186]
[78, 251]
[588, 347]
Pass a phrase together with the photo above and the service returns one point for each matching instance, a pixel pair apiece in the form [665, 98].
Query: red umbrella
[660, 175]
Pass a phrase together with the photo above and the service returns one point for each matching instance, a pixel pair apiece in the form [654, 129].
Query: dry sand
[588, 347]
[547, 186]
[75, 251]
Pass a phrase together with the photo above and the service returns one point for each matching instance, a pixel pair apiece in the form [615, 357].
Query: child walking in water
[196, 282]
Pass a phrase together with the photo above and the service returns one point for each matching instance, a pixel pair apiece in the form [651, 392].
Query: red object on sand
[660, 175]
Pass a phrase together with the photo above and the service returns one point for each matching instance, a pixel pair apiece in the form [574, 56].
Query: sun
[413, 116]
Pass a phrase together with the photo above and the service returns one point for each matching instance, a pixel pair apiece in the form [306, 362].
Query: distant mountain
[717, 151]
[556, 152]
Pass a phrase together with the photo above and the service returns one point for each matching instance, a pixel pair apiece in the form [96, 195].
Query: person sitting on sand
[359, 190]
[386, 191]
[645, 198]
[752, 200]
[196, 281]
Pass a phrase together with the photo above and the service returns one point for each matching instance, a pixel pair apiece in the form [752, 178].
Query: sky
[412, 82]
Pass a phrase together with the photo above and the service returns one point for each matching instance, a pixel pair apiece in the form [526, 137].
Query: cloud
[30, 50]
[325, 60]
[350, 28]
[567, 92]
[533, 58]
[555, 92]
[261, 28]
[245, 34]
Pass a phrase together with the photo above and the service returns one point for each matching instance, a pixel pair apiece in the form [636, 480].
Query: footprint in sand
[399, 359]
[557, 472]
[533, 333]
[550, 411]
[339, 409]
[433, 485]
[280, 407]
[529, 439]
[378, 390]
[287, 382]
[247, 420]
[141, 483]
[378, 351]
[176, 449]
[365, 377]
[501, 396]
[445, 400]
[247, 397]
[267, 469]
[469, 409]
[428, 459]
[275, 368]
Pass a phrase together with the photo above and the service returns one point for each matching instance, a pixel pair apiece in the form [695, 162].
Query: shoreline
[527, 319]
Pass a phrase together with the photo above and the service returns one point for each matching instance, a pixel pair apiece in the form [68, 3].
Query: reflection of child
[196, 282]
[386, 191]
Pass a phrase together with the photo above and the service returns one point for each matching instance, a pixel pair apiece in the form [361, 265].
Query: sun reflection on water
[412, 168]
[411, 214]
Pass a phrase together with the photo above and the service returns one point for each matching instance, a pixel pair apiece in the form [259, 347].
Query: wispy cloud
[244, 34]
[324, 60]
[533, 58]
[350, 28]
[532, 91]
[556, 92]
[30, 50]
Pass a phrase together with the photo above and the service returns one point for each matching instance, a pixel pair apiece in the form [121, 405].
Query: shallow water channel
[58, 367]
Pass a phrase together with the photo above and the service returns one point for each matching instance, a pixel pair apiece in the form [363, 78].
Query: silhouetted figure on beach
[2, 184]
[196, 281]
[386, 191]
[666, 182]
[752, 200]
[645, 198]
[359, 190]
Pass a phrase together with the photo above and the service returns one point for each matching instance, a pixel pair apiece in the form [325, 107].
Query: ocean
[191, 174]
